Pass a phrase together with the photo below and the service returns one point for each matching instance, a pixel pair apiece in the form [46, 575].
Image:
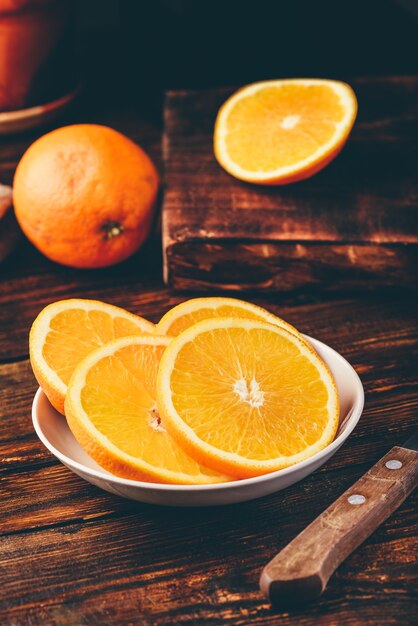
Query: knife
[302, 569]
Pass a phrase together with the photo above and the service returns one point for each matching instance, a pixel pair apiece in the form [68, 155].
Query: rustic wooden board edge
[199, 265]
[367, 197]
[259, 225]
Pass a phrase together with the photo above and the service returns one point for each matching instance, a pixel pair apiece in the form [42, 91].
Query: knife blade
[302, 569]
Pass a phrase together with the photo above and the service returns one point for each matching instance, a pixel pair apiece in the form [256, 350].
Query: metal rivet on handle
[393, 464]
[356, 498]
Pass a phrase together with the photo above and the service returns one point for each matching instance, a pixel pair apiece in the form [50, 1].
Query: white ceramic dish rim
[351, 421]
[37, 115]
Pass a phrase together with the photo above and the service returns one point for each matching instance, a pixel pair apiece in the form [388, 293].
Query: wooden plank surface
[103, 559]
[355, 223]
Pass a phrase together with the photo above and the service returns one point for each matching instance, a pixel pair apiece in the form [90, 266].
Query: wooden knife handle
[302, 569]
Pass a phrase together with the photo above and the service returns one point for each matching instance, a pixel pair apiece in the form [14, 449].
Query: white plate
[24, 119]
[53, 431]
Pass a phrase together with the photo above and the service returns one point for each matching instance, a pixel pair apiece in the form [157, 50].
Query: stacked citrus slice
[67, 331]
[218, 390]
[111, 407]
[246, 397]
[195, 310]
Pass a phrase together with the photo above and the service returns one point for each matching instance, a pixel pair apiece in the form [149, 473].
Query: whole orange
[84, 195]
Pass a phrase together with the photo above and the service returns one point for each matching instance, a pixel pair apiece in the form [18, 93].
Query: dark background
[154, 45]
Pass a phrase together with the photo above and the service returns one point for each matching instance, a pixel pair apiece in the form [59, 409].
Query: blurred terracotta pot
[34, 51]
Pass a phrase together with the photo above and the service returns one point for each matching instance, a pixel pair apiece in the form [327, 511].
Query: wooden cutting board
[355, 224]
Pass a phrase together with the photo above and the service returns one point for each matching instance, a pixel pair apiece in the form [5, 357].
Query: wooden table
[72, 554]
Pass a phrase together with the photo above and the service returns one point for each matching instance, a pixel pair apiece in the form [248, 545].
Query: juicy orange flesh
[250, 392]
[280, 126]
[203, 313]
[74, 333]
[119, 397]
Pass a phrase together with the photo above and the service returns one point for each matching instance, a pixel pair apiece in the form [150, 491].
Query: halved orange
[66, 331]
[246, 397]
[282, 131]
[195, 310]
[111, 409]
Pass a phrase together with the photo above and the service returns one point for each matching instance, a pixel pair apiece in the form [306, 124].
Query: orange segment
[66, 331]
[246, 397]
[111, 409]
[281, 131]
[195, 310]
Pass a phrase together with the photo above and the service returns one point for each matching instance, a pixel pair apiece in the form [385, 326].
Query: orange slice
[111, 409]
[66, 331]
[246, 397]
[282, 131]
[195, 310]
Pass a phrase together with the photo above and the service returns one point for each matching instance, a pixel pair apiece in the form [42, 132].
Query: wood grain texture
[353, 224]
[305, 565]
[273, 266]
[150, 566]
